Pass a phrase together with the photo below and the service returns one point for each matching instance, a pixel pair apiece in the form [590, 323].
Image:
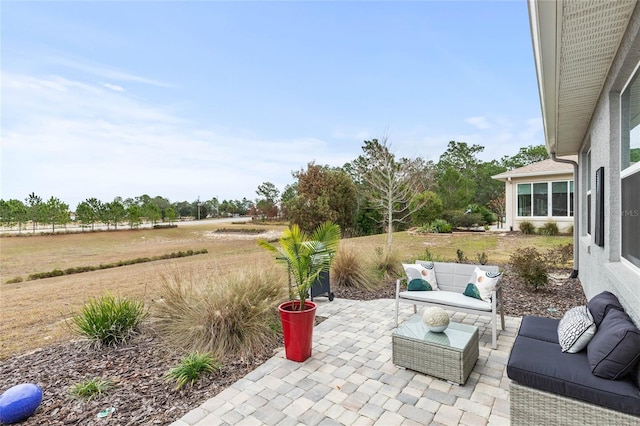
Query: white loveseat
[452, 281]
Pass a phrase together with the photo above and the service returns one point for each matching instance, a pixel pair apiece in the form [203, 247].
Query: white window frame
[589, 198]
[549, 214]
[629, 171]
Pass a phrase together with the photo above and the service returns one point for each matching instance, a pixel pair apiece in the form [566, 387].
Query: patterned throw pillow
[576, 329]
[418, 271]
[481, 284]
[418, 284]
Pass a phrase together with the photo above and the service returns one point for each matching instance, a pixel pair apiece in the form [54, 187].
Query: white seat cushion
[448, 298]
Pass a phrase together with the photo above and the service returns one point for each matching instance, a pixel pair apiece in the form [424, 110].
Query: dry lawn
[34, 312]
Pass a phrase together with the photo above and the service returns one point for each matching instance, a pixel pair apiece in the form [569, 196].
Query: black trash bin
[322, 286]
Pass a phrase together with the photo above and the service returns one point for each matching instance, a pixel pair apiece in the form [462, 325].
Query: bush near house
[527, 227]
[531, 267]
[549, 228]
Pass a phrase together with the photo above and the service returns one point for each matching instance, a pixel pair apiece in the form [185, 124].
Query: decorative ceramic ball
[436, 319]
[19, 402]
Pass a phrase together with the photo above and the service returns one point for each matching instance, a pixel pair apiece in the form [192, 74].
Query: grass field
[34, 312]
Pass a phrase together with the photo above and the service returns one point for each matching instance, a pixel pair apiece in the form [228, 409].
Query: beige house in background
[539, 193]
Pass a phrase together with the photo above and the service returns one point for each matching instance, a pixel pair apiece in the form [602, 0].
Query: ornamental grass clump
[387, 266]
[191, 368]
[91, 388]
[227, 315]
[348, 270]
[109, 320]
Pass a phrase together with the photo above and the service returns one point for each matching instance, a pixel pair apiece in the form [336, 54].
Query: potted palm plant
[305, 256]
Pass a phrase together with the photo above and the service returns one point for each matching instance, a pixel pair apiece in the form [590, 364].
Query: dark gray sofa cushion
[601, 303]
[615, 349]
[540, 328]
[542, 365]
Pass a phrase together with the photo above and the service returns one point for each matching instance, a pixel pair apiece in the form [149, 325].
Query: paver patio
[350, 379]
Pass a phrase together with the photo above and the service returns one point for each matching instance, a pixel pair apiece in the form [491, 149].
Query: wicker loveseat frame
[549, 387]
[453, 278]
[531, 406]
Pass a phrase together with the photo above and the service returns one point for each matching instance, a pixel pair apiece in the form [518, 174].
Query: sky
[204, 99]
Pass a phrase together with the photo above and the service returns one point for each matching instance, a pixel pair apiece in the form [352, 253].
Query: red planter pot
[297, 327]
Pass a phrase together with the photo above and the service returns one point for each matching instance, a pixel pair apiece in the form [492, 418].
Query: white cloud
[479, 122]
[74, 140]
[504, 136]
[113, 87]
[354, 134]
[102, 71]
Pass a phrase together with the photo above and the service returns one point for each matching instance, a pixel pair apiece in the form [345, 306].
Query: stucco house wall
[586, 55]
[601, 268]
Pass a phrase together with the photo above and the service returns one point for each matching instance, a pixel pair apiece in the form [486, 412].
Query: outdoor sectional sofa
[452, 280]
[549, 386]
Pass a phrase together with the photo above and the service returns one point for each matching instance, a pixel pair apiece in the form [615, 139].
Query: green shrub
[487, 215]
[79, 269]
[531, 266]
[430, 257]
[426, 207]
[423, 229]
[50, 274]
[349, 270]
[226, 315]
[191, 367]
[440, 226]
[527, 227]
[14, 280]
[482, 258]
[460, 219]
[109, 320]
[460, 257]
[91, 388]
[549, 228]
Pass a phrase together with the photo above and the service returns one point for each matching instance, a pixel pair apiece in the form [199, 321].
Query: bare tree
[390, 184]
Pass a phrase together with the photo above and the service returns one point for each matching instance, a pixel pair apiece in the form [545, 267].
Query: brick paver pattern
[350, 379]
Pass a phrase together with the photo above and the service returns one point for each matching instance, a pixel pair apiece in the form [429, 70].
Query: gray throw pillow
[576, 329]
[600, 304]
[615, 349]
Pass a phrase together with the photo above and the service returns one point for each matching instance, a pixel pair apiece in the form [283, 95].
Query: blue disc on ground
[19, 402]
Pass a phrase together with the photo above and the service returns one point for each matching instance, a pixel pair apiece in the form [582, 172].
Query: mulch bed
[141, 395]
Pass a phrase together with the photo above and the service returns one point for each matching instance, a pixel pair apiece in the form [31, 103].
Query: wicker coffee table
[449, 355]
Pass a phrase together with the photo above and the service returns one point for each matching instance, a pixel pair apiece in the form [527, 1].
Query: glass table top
[455, 336]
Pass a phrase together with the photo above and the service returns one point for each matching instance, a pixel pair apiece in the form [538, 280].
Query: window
[570, 198]
[540, 199]
[524, 199]
[559, 199]
[546, 199]
[630, 172]
[589, 192]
